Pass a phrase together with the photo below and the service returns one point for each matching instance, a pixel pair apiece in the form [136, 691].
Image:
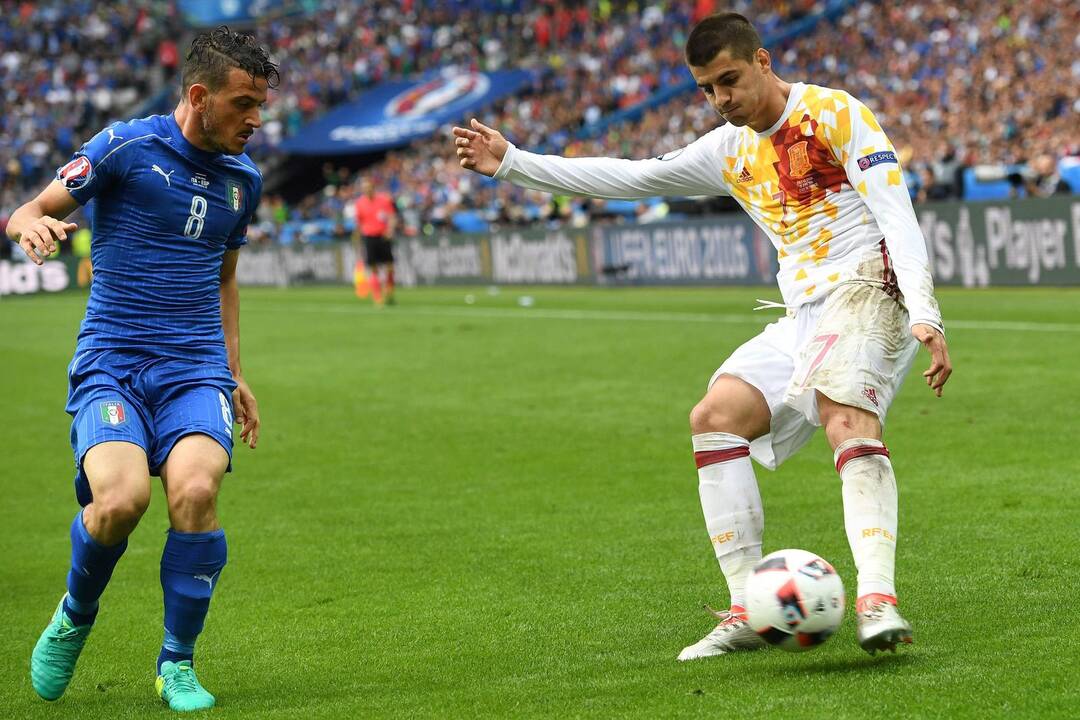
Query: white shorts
[853, 345]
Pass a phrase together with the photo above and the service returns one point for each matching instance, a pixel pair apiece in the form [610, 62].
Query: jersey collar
[793, 99]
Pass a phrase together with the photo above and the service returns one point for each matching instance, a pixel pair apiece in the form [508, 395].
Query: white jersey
[823, 183]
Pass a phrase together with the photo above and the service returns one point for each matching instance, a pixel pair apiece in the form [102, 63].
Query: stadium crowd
[588, 56]
[587, 59]
[86, 64]
[956, 85]
[67, 69]
[959, 85]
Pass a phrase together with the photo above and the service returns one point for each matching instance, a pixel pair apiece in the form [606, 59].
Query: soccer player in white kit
[815, 171]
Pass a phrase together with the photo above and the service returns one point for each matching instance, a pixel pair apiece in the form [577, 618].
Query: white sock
[869, 489]
[732, 506]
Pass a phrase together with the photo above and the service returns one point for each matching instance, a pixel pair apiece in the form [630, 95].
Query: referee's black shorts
[378, 250]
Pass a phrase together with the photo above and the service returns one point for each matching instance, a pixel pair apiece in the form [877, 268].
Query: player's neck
[189, 126]
[773, 109]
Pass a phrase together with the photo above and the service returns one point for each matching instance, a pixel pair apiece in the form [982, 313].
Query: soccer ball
[794, 599]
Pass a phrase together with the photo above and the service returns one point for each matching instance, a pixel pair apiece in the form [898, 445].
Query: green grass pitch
[487, 510]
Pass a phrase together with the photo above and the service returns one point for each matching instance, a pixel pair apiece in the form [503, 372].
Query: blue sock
[175, 649]
[91, 567]
[190, 567]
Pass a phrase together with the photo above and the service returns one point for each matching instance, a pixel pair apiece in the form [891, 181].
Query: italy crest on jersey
[235, 195]
[112, 412]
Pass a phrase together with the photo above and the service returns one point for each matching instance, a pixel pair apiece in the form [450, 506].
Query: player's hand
[940, 366]
[39, 240]
[246, 412]
[480, 148]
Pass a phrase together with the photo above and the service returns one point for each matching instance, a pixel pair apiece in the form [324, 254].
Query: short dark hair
[216, 52]
[722, 31]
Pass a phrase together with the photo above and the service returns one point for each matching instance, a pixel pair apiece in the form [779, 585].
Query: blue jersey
[164, 214]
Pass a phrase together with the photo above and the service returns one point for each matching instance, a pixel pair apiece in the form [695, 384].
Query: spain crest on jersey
[234, 195]
[112, 412]
[798, 160]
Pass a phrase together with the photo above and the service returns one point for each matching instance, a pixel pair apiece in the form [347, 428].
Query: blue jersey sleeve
[251, 203]
[96, 165]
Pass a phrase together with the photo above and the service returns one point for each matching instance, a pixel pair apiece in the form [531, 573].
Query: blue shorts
[146, 400]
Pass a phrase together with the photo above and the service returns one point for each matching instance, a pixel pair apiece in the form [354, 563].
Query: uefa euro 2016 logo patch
[234, 195]
[75, 174]
[887, 156]
[112, 412]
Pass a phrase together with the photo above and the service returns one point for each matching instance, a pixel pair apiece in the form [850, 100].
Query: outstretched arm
[39, 224]
[689, 171]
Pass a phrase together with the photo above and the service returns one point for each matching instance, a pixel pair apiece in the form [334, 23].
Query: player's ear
[198, 96]
[763, 60]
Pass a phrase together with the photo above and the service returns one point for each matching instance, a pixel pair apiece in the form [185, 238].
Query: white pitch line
[625, 315]
[553, 314]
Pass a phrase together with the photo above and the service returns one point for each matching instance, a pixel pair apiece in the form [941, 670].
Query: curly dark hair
[216, 52]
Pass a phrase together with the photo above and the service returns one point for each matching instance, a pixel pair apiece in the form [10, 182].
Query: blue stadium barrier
[1069, 169]
[630, 208]
[206, 13]
[976, 190]
[311, 232]
[626, 208]
[469, 221]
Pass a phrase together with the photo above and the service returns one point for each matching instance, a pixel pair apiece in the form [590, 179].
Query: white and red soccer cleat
[879, 625]
[732, 634]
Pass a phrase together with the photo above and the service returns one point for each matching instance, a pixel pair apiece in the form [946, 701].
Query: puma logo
[163, 174]
[113, 136]
[208, 579]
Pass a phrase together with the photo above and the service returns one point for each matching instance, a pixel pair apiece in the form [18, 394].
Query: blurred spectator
[963, 83]
[1040, 178]
[66, 70]
[956, 85]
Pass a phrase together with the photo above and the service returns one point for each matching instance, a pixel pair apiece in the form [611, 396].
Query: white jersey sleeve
[691, 170]
[874, 171]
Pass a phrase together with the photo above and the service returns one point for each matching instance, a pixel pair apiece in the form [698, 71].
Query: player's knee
[699, 417]
[842, 422]
[123, 505]
[194, 495]
[712, 415]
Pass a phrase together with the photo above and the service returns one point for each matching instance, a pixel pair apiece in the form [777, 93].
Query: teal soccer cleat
[178, 686]
[55, 655]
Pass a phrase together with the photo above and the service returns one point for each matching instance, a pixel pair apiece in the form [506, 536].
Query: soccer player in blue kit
[155, 379]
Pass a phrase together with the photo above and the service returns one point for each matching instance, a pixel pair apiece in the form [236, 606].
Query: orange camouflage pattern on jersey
[794, 181]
